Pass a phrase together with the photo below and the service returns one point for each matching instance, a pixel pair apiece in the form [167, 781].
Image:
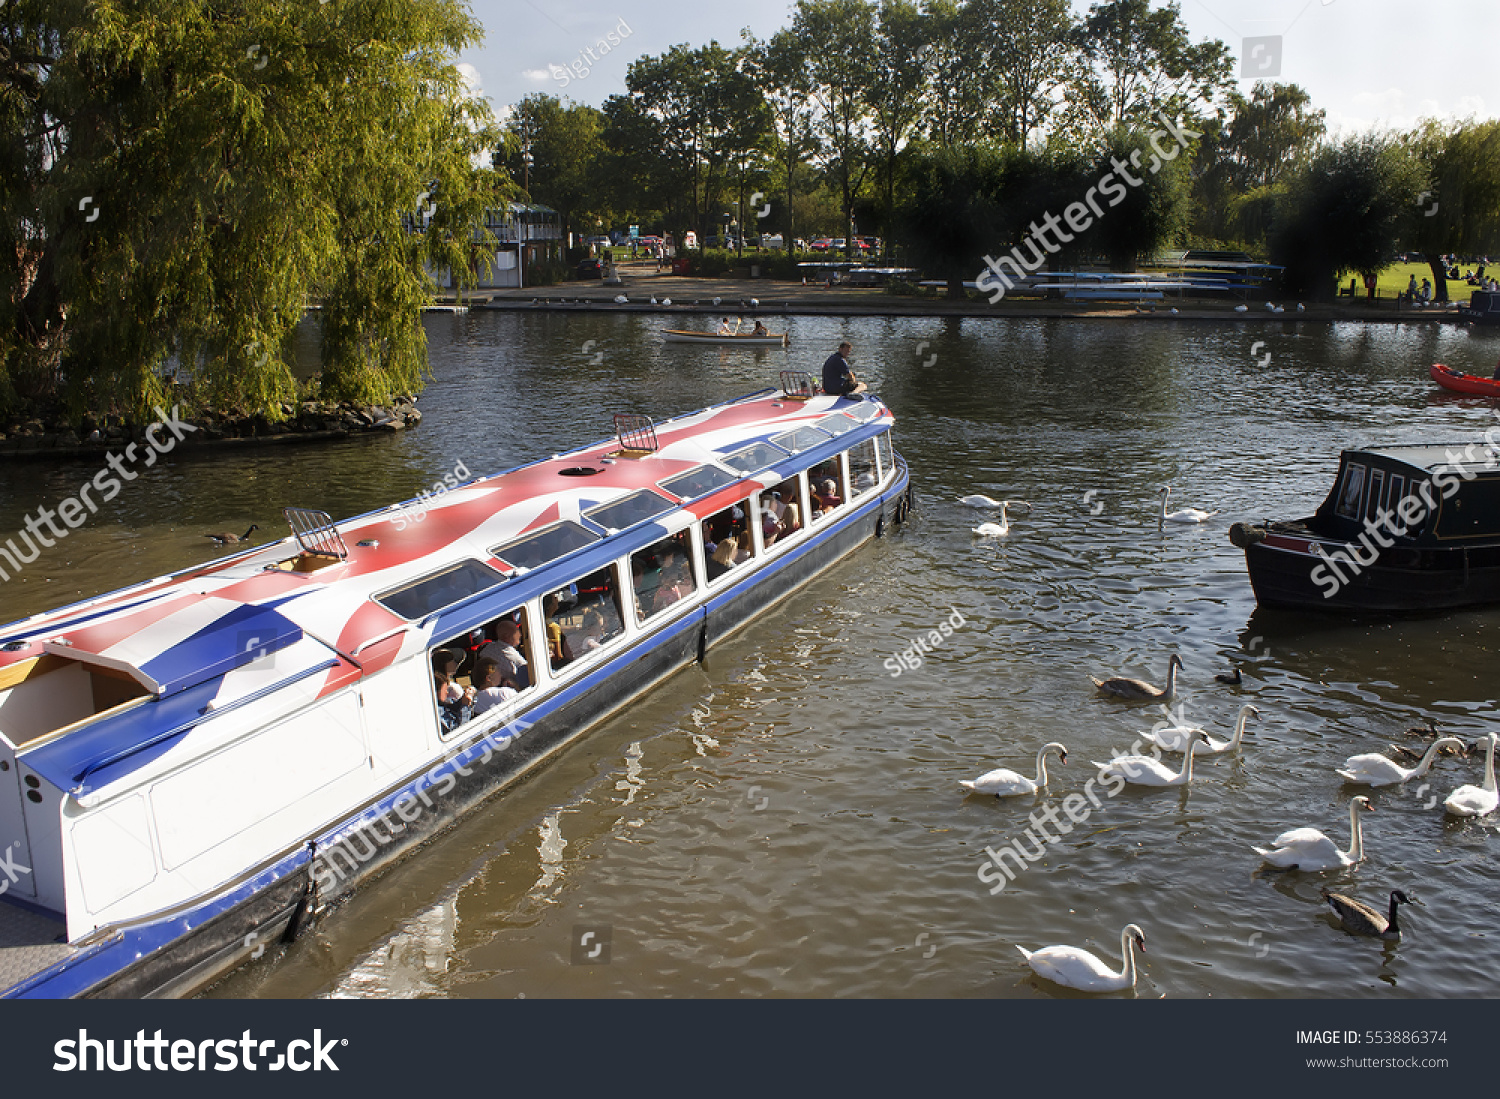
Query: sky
[1367, 63]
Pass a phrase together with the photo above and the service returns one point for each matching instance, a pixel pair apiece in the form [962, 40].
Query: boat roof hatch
[797, 385]
[316, 532]
[637, 435]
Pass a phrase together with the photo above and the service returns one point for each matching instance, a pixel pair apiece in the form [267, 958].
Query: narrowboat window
[582, 618]
[755, 457]
[864, 411]
[698, 482]
[863, 468]
[1377, 486]
[630, 510]
[781, 511]
[1393, 498]
[475, 672]
[441, 589]
[549, 544]
[800, 439]
[1354, 485]
[837, 424]
[825, 488]
[662, 574]
[727, 539]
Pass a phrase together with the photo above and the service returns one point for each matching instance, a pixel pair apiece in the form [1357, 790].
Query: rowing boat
[1459, 382]
[742, 339]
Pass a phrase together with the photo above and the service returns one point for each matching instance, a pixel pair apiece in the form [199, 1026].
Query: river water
[786, 819]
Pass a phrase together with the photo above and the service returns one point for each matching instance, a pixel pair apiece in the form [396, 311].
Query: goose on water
[1076, 968]
[1174, 738]
[1232, 677]
[1145, 771]
[1138, 690]
[229, 538]
[1477, 801]
[1359, 918]
[1186, 515]
[1004, 783]
[1374, 769]
[1309, 849]
[1002, 528]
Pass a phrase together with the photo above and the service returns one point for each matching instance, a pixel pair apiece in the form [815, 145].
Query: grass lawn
[1394, 278]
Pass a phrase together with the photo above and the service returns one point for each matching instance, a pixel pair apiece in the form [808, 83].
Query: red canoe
[1473, 384]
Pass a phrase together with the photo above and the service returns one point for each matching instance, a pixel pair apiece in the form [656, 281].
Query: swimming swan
[1174, 738]
[1374, 769]
[1002, 528]
[1138, 690]
[1075, 968]
[1477, 801]
[1186, 515]
[1309, 849]
[1004, 783]
[1145, 771]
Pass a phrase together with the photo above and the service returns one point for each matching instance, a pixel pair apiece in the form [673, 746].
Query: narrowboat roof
[247, 625]
[1474, 455]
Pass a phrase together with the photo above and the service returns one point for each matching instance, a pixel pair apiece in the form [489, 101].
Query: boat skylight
[440, 589]
[756, 456]
[837, 424]
[864, 411]
[698, 482]
[629, 510]
[800, 439]
[548, 544]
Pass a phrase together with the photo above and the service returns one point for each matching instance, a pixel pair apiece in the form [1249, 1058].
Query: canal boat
[204, 762]
[739, 339]
[1474, 385]
[1482, 308]
[1405, 528]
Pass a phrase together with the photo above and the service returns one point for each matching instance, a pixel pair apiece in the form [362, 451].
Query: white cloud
[536, 74]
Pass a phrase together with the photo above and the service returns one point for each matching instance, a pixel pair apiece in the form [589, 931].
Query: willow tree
[178, 182]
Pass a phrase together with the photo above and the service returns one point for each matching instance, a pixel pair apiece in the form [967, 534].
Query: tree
[777, 67]
[897, 88]
[1152, 212]
[556, 151]
[1138, 63]
[951, 215]
[180, 181]
[954, 107]
[1344, 212]
[1029, 55]
[1460, 207]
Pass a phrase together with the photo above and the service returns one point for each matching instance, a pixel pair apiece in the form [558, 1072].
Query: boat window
[662, 574]
[1353, 488]
[1393, 497]
[630, 510]
[583, 617]
[883, 451]
[825, 488]
[864, 468]
[476, 672]
[727, 539]
[800, 439]
[698, 482]
[549, 544]
[754, 457]
[781, 511]
[441, 589]
[837, 424]
[864, 411]
[1372, 500]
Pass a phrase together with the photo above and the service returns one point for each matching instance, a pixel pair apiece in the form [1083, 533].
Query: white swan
[1186, 515]
[979, 501]
[1477, 801]
[1145, 771]
[1075, 968]
[1309, 849]
[1174, 738]
[1004, 783]
[1002, 528]
[1374, 769]
[1138, 690]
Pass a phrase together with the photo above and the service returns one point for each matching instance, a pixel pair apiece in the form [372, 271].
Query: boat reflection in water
[208, 759]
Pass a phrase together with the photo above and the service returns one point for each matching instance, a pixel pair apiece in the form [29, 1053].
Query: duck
[1359, 918]
[1004, 783]
[228, 538]
[1002, 528]
[1175, 737]
[1076, 968]
[1374, 769]
[1477, 801]
[1186, 515]
[621, 299]
[666, 301]
[1309, 849]
[1242, 309]
[1231, 677]
[1145, 771]
[1270, 308]
[653, 299]
[1138, 690]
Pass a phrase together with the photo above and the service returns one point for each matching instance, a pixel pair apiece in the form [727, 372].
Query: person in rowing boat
[725, 330]
[760, 330]
[838, 379]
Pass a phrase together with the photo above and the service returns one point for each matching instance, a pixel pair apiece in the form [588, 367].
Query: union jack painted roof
[198, 640]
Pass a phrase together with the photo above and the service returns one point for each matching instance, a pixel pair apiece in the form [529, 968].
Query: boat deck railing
[316, 532]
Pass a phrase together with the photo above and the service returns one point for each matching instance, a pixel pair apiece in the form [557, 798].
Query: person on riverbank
[838, 379]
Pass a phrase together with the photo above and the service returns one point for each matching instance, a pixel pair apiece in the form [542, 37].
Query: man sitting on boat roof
[838, 379]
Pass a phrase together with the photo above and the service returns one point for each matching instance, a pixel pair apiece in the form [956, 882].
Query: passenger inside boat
[723, 558]
[731, 522]
[597, 592]
[823, 488]
[455, 702]
[489, 690]
[662, 573]
[558, 651]
[507, 651]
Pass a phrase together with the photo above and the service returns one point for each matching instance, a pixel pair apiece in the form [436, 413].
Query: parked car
[773, 240]
[822, 244]
[590, 269]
